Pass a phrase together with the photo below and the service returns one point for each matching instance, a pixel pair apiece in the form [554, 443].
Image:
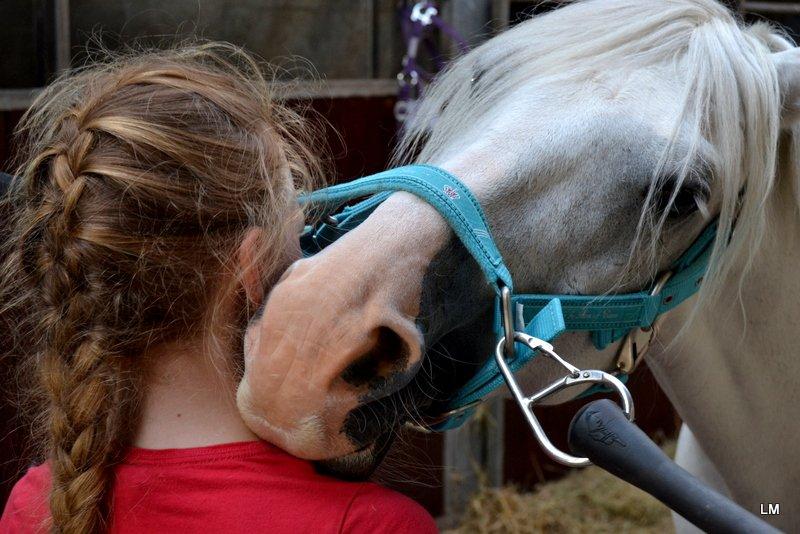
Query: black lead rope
[601, 432]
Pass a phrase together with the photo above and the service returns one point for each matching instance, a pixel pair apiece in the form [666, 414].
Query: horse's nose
[319, 352]
[382, 363]
[339, 333]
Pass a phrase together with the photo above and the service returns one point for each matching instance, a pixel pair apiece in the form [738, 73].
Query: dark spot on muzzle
[361, 464]
[367, 422]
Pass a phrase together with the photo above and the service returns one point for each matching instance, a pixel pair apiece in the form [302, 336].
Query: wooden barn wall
[341, 38]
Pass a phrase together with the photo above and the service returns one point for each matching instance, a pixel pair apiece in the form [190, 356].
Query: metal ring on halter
[576, 376]
[632, 349]
[508, 321]
[426, 423]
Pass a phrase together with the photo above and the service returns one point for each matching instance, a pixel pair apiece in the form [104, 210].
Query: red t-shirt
[237, 487]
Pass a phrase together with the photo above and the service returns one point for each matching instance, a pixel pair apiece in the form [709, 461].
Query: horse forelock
[729, 100]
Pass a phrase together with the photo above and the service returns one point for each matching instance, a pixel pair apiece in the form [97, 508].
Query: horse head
[600, 139]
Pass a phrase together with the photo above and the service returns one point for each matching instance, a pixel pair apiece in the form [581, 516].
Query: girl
[155, 206]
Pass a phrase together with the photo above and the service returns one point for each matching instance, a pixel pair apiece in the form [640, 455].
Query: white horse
[600, 140]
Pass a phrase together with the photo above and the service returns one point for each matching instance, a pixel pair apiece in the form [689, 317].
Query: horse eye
[687, 200]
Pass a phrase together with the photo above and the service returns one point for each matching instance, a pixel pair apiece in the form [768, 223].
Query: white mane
[731, 99]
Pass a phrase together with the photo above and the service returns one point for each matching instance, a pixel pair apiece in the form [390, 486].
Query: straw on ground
[589, 500]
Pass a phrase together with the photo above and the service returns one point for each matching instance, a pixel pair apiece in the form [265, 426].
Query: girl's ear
[787, 65]
[251, 273]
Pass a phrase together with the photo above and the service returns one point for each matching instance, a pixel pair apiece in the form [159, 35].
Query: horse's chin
[361, 464]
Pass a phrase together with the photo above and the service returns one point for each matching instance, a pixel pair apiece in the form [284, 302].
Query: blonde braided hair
[139, 177]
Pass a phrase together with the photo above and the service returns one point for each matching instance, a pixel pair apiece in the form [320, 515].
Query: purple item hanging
[415, 24]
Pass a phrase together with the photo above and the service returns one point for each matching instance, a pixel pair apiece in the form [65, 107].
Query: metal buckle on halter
[508, 321]
[576, 376]
[637, 342]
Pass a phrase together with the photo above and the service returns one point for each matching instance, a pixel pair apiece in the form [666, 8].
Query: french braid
[138, 179]
[88, 382]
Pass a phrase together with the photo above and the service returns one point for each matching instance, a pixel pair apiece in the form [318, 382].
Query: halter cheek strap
[545, 317]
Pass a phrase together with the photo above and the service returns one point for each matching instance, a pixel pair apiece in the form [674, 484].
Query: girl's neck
[189, 400]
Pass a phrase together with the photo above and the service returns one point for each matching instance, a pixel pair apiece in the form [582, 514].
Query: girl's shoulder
[378, 509]
[26, 508]
[229, 488]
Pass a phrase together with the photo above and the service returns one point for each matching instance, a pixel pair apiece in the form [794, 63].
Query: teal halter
[609, 317]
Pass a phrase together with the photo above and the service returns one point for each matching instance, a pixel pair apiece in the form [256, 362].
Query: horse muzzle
[320, 361]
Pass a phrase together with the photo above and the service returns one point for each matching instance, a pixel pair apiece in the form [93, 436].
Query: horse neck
[735, 369]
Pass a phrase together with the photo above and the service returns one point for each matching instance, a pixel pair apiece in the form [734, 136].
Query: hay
[589, 500]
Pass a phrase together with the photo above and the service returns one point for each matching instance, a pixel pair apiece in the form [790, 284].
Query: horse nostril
[386, 359]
